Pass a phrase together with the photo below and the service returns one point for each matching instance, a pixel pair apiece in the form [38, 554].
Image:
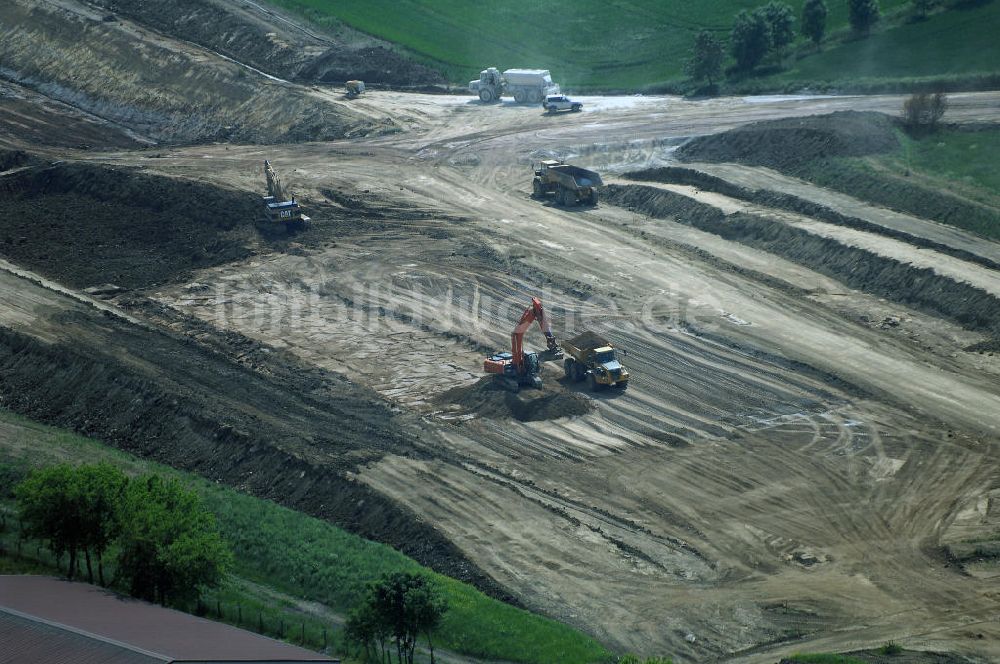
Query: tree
[706, 58]
[921, 8]
[364, 627]
[49, 510]
[923, 111]
[814, 20]
[863, 14]
[781, 25]
[99, 490]
[170, 546]
[402, 606]
[749, 39]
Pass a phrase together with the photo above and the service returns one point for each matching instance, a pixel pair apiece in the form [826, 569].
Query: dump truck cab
[591, 357]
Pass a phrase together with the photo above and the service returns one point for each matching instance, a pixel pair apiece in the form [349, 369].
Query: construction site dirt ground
[785, 473]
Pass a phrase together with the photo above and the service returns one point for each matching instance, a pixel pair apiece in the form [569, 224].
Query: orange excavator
[518, 369]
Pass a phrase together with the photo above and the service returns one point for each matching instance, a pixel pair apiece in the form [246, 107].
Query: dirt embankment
[162, 89]
[812, 147]
[787, 144]
[486, 398]
[791, 203]
[920, 288]
[86, 225]
[256, 36]
[268, 424]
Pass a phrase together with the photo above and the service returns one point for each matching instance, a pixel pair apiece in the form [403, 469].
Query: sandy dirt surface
[793, 454]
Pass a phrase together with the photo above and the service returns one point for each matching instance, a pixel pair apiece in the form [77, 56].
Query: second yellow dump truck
[590, 356]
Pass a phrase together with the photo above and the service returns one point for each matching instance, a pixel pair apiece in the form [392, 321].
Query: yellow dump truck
[571, 185]
[590, 356]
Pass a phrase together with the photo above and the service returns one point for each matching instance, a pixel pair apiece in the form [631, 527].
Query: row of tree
[769, 29]
[394, 612]
[168, 545]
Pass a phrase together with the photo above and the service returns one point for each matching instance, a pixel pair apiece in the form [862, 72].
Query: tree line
[770, 30]
[167, 544]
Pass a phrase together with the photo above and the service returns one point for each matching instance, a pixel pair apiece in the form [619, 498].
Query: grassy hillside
[294, 556]
[949, 43]
[626, 44]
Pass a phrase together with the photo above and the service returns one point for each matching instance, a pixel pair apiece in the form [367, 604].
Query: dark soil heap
[488, 399]
[85, 225]
[788, 143]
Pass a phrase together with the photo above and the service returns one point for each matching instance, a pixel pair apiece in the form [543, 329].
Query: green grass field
[823, 658]
[302, 557]
[586, 44]
[950, 43]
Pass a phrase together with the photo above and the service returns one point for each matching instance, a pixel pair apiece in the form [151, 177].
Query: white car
[555, 103]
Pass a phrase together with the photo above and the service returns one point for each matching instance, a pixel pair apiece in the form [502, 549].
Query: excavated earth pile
[809, 147]
[486, 398]
[86, 225]
[788, 143]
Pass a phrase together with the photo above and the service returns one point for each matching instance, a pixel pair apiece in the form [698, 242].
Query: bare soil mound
[159, 88]
[256, 36]
[86, 225]
[488, 399]
[787, 144]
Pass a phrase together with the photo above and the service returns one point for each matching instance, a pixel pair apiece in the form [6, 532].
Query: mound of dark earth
[10, 159]
[487, 398]
[788, 143]
[86, 225]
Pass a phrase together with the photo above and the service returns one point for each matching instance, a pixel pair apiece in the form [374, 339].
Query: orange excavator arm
[530, 315]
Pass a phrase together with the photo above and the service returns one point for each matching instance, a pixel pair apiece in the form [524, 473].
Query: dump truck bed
[584, 342]
[581, 177]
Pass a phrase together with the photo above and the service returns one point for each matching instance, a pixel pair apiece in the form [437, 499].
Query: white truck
[525, 85]
[554, 103]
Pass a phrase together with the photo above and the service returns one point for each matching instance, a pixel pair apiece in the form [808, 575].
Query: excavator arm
[273, 183]
[533, 313]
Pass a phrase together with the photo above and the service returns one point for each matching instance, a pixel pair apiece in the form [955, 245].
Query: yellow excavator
[279, 209]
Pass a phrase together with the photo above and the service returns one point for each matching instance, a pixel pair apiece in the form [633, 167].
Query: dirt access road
[785, 470]
[795, 452]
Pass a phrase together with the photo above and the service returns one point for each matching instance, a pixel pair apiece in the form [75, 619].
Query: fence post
[302, 634]
[281, 629]
[260, 622]
[239, 614]
[324, 638]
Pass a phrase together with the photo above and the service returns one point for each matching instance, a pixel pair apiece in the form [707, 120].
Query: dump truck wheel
[593, 197]
[594, 385]
[485, 96]
[579, 373]
[537, 190]
[534, 96]
[568, 367]
[520, 97]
